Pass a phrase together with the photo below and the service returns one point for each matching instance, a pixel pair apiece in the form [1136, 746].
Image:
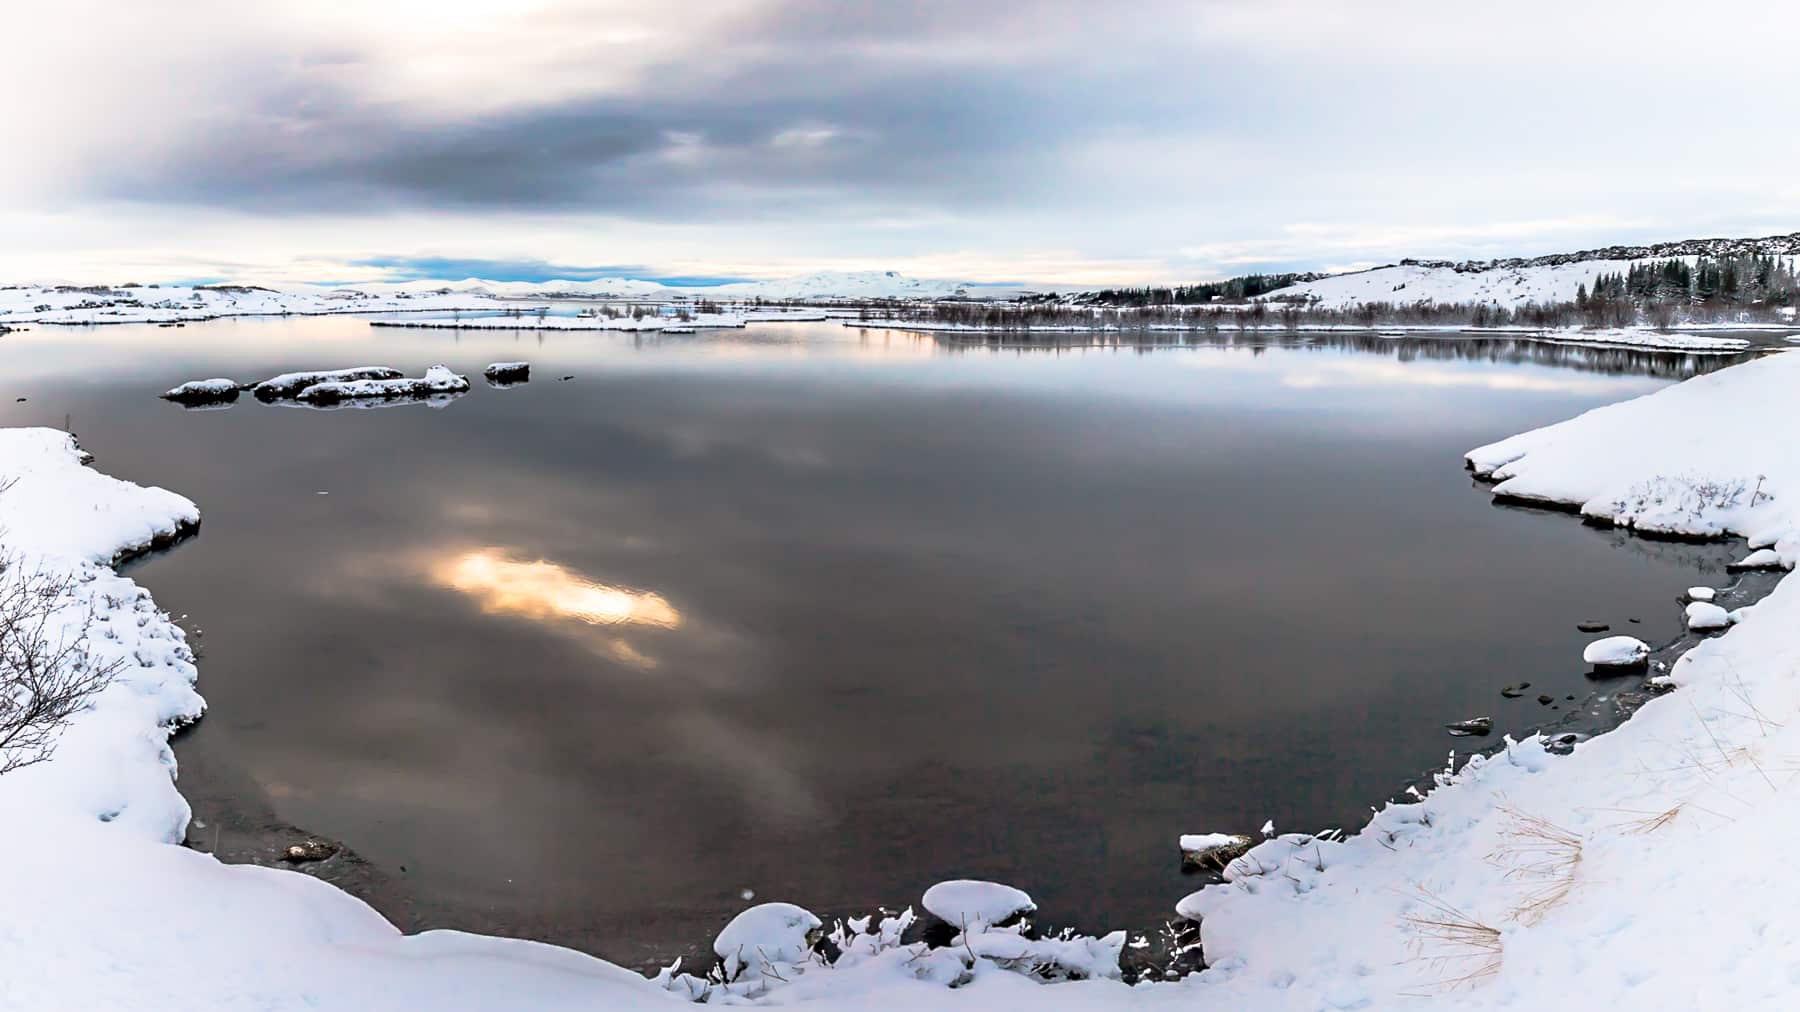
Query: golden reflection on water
[545, 590]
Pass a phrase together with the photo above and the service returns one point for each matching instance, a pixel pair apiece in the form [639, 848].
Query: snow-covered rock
[971, 904]
[767, 935]
[289, 384]
[1214, 850]
[507, 373]
[1701, 593]
[437, 380]
[1702, 616]
[1616, 652]
[206, 391]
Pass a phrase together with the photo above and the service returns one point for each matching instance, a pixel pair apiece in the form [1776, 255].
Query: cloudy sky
[1040, 141]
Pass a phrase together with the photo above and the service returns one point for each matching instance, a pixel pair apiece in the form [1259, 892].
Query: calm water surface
[830, 615]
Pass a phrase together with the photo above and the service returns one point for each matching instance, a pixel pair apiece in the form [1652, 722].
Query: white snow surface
[768, 934]
[1509, 287]
[1701, 593]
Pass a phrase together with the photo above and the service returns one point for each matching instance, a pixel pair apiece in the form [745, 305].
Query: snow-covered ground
[532, 321]
[1647, 869]
[132, 303]
[178, 303]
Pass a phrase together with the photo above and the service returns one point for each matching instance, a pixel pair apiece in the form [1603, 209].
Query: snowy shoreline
[1695, 773]
[1677, 339]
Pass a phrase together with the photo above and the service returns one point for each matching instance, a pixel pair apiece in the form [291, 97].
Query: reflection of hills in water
[1662, 363]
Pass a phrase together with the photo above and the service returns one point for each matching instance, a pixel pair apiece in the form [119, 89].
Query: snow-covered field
[131, 303]
[708, 321]
[1646, 869]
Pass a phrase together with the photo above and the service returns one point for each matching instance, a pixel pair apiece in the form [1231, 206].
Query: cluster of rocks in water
[357, 384]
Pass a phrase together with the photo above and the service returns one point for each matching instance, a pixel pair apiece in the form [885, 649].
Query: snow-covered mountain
[1516, 281]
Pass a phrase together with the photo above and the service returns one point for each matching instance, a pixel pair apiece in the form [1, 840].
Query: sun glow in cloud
[545, 590]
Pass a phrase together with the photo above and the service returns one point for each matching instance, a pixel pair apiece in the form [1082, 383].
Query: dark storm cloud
[798, 105]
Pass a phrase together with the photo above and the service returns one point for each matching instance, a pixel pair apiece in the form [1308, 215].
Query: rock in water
[974, 905]
[1592, 627]
[1515, 691]
[289, 384]
[311, 850]
[1474, 725]
[1702, 616]
[1700, 593]
[207, 391]
[507, 373]
[1617, 652]
[1214, 850]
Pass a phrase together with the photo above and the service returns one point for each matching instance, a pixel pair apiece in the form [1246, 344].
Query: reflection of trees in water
[1660, 363]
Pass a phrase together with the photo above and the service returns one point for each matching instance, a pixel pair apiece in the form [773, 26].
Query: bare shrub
[47, 672]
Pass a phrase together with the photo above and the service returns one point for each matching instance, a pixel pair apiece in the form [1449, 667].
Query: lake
[826, 615]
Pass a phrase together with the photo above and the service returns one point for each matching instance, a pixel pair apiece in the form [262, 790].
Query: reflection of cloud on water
[547, 592]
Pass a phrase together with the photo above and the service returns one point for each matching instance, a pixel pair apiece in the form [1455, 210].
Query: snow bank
[168, 304]
[437, 380]
[1661, 463]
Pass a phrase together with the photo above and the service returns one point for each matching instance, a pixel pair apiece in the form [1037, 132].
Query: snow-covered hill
[1513, 282]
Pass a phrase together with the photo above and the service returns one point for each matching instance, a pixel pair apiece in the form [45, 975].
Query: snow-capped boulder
[437, 380]
[1213, 850]
[1617, 652]
[507, 373]
[1700, 593]
[1702, 616]
[767, 934]
[207, 391]
[974, 905]
[290, 384]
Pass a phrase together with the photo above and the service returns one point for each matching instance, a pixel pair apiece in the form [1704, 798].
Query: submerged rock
[1213, 850]
[1515, 691]
[207, 391]
[311, 850]
[1546, 699]
[1472, 726]
[1592, 627]
[1617, 652]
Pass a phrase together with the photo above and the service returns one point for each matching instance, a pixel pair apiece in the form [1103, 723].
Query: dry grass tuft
[1543, 855]
[1451, 940]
